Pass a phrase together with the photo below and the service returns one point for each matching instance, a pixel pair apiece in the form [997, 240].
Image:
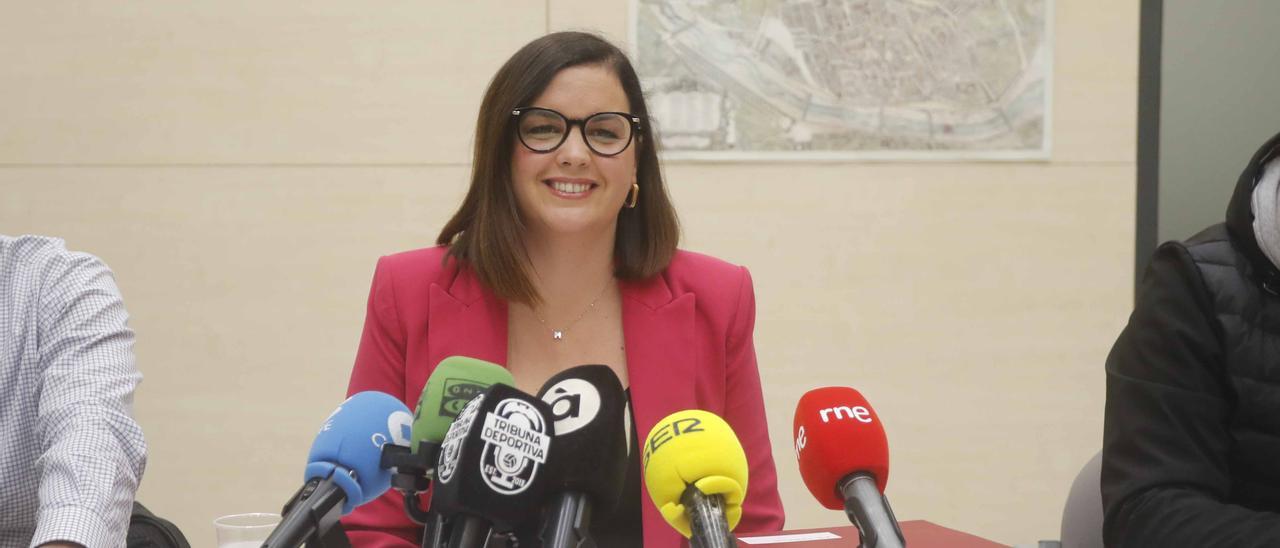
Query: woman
[564, 253]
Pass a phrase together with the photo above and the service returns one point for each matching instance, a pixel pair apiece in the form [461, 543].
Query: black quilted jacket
[1191, 442]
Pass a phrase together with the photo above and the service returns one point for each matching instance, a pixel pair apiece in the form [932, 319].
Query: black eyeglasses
[544, 130]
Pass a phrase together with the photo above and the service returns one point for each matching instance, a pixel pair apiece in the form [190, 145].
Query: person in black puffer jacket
[1191, 441]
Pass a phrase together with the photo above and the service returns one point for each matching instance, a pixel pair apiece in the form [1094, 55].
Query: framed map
[847, 79]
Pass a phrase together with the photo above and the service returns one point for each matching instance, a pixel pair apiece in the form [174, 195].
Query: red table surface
[918, 533]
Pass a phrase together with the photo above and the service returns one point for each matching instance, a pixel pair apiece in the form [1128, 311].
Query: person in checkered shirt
[71, 454]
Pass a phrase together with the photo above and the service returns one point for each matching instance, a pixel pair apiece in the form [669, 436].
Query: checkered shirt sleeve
[84, 454]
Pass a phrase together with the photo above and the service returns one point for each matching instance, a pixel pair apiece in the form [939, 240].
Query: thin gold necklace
[558, 334]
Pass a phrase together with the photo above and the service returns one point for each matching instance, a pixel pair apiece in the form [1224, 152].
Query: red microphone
[844, 460]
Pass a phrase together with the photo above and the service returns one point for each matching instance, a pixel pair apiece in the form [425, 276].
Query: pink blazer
[689, 345]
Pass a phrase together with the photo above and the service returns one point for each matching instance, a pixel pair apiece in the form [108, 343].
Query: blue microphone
[343, 467]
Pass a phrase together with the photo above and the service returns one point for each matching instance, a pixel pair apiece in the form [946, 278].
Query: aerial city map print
[847, 79]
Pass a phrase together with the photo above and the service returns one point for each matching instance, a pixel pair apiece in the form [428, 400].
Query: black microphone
[492, 473]
[589, 408]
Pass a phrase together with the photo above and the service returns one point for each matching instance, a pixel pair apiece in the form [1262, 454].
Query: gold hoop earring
[633, 196]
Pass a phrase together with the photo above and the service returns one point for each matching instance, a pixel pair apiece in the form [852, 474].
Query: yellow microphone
[696, 474]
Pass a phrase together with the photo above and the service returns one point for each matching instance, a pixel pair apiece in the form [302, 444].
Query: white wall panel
[247, 82]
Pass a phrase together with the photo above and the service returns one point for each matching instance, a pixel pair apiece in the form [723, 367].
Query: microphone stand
[325, 531]
[414, 473]
[870, 519]
[710, 526]
[335, 538]
[470, 532]
[436, 532]
[568, 522]
[411, 472]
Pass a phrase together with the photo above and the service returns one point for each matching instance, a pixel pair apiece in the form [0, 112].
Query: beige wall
[242, 164]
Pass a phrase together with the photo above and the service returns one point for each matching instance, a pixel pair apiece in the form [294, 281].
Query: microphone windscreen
[589, 408]
[493, 459]
[452, 384]
[697, 448]
[837, 433]
[349, 445]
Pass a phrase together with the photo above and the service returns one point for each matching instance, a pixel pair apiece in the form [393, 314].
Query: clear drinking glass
[245, 530]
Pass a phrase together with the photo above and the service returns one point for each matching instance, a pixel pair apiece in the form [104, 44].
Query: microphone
[343, 467]
[492, 469]
[844, 460]
[589, 409]
[452, 384]
[454, 381]
[696, 474]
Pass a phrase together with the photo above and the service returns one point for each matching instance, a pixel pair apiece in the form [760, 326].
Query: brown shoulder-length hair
[485, 232]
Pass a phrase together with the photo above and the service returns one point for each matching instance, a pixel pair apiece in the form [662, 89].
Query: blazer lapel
[659, 334]
[466, 319]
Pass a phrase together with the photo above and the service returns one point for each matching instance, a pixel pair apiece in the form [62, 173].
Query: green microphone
[454, 382]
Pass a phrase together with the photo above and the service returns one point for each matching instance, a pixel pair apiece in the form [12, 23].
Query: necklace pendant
[557, 335]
